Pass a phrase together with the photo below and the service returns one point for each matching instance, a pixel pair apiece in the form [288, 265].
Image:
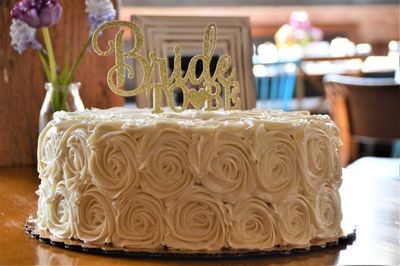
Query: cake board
[32, 229]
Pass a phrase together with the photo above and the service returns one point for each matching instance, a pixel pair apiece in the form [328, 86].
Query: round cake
[190, 181]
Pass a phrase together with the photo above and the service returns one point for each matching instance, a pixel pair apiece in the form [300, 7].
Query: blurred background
[296, 48]
[318, 37]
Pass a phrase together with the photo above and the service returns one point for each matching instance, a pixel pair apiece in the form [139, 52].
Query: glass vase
[59, 98]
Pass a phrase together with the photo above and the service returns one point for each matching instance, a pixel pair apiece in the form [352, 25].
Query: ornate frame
[162, 33]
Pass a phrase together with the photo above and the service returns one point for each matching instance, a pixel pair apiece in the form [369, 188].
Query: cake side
[190, 181]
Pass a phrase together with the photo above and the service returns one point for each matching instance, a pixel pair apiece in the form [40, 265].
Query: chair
[366, 110]
[276, 83]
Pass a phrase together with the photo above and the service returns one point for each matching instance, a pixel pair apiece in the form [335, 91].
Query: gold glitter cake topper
[210, 96]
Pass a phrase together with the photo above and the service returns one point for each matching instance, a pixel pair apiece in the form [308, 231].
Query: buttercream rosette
[113, 158]
[50, 152]
[45, 192]
[252, 225]
[163, 157]
[328, 212]
[75, 166]
[337, 165]
[332, 131]
[140, 221]
[295, 220]
[279, 163]
[196, 221]
[224, 163]
[319, 159]
[95, 217]
[61, 212]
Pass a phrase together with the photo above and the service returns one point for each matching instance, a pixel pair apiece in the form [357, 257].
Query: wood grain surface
[370, 200]
[22, 81]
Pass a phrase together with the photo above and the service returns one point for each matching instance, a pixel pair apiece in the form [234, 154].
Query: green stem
[44, 64]
[55, 103]
[74, 67]
[59, 98]
[52, 60]
[64, 103]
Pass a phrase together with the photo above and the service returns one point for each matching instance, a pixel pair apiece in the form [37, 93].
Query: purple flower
[37, 13]
[100, 12]
[23, 36]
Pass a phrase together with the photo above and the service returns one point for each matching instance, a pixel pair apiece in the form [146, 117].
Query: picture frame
[162, 33]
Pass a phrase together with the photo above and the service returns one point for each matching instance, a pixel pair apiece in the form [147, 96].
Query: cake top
[196, 118]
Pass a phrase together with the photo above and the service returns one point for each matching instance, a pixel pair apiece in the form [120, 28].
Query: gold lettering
[209, 96]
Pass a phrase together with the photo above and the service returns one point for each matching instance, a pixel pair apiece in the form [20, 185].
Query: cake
[190, 181]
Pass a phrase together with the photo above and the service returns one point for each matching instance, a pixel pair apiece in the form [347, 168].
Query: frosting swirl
[45, 192]
[337, 167]
[113, 159]
[253, 225]
[140, 221]
[95, 216]
[328, 212]
[77, 156]
[277, 174]
[61, 212]
[294, 220]
[319, 158]
[49, 153]
[163, 156]
[41, 216]
[196, 221]
[224, 164]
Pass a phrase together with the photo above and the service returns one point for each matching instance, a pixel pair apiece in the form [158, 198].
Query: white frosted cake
[226, 180]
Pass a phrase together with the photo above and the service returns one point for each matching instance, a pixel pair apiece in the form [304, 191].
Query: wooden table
[370, 199]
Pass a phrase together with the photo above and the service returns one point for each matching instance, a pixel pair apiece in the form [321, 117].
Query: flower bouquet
[30, 16]
[298, 31]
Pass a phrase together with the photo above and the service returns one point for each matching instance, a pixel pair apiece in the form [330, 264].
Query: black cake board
[32, 229]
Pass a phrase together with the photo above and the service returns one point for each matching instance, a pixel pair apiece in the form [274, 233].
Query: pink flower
[300, 20]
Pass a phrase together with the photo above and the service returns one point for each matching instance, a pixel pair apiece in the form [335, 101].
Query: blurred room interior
[296, 43]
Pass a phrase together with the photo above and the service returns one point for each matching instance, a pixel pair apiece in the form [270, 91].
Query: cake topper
[222, 82]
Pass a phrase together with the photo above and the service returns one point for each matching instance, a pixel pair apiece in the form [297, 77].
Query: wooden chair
[366, 110]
